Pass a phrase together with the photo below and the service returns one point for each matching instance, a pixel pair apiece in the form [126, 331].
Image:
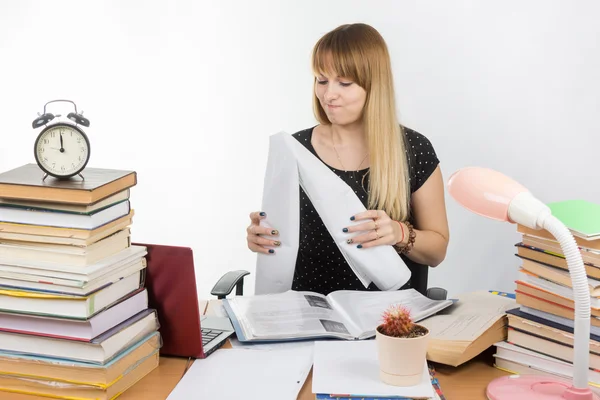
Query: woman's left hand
[382, 230]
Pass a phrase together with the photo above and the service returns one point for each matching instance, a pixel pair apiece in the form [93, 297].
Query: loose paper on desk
[469, 317]
[353, 368]
[289, 166]
[239, 374]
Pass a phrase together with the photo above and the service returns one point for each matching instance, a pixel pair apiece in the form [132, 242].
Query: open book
[343, 314]
[476, 322]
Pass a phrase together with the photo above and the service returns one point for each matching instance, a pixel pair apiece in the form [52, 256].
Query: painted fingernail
[359, 246]
[274, 232]
[352, 218]
[349, 241]
[345, 229]
[271, 251]
[262, 214]
[277, 243]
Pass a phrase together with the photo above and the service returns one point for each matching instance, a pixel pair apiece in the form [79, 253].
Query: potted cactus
[401, 347]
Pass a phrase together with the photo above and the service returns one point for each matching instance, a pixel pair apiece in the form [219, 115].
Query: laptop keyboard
[208, 335]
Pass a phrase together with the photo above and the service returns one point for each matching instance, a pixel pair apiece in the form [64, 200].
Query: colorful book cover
[580, 216]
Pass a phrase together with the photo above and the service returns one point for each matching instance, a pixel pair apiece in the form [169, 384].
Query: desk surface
[467, 382]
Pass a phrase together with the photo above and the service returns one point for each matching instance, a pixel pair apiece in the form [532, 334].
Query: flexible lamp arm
[493, 195]
[581, 293]
[529, 211]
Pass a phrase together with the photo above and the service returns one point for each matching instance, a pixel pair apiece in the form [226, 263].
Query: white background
[186, 93]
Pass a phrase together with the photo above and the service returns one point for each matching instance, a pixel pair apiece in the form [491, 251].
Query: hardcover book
[27, 183]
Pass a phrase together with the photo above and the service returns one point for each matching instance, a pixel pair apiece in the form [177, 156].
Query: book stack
[74, 316]
[540, 330]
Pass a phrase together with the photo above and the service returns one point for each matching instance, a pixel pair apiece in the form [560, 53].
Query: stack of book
[540, 330]
[74, 316]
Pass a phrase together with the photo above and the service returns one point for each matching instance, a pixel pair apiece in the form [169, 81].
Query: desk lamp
[491, 194]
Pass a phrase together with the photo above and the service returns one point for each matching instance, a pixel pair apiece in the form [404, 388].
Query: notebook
[580, 216]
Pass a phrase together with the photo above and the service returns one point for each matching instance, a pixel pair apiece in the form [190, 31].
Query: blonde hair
[358, 52]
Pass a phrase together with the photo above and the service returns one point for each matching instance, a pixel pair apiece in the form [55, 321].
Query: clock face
[62, 150]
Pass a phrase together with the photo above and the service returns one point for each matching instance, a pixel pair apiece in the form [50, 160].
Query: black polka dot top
[320, 266]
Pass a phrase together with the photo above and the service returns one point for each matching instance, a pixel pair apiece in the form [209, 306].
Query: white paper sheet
[241, 374]
[289, 165]
[353, 368]
[281, 202]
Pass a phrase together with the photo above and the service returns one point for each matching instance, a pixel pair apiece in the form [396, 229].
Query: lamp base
[535, 387]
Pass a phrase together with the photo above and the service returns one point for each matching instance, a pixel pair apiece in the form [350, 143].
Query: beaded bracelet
[411, 239]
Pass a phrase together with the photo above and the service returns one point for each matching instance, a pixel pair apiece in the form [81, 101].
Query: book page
[365, 309]
[470, 317]
[289, 315]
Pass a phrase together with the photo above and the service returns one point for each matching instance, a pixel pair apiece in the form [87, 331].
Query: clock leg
[81, 176]
[44, 178]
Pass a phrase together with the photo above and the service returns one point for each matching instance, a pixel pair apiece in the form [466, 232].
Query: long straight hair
[358, 52]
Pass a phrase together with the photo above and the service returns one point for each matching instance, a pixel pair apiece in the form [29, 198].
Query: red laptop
[171, 284]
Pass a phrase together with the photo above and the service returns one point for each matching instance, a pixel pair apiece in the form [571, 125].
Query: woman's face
[342, 99]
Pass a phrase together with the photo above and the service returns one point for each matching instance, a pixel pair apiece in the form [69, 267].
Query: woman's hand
[382, 230]
[256, 243]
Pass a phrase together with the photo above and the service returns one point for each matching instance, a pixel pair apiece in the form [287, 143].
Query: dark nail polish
[262, 214]
[352, 218]
[274, 232]
[277, 243]
[349, 241]
[271, 251]
[359, 246]
[345, 229]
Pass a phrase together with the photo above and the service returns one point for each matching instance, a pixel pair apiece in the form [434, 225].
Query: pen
[509, 295]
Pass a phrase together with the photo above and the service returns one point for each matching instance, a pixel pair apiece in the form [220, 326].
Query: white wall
[186, 93]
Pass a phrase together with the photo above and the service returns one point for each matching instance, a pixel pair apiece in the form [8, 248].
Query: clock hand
[62, 150]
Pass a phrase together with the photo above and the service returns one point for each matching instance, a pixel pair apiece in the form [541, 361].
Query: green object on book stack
[580, 216]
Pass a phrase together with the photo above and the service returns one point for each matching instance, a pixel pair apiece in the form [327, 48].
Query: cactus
[397, 322]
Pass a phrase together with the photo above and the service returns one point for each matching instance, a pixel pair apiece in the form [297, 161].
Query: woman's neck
[349, 135]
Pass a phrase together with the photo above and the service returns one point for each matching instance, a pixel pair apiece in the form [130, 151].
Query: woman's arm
[431, 223]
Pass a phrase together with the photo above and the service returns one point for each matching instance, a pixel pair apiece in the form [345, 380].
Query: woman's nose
[330, 93]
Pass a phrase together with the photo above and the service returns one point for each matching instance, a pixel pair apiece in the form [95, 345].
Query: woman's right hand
[256, 243]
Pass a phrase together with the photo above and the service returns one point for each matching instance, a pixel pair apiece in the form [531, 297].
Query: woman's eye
[345, 84]
[321, 82]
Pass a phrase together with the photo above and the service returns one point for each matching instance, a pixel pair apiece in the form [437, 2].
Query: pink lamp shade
[484, 191]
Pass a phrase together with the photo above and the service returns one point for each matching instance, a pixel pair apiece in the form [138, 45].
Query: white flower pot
[401, 360]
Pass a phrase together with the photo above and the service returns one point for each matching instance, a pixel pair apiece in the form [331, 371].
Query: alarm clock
[62, 149]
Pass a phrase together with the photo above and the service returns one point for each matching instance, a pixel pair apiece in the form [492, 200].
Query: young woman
[393, 170]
